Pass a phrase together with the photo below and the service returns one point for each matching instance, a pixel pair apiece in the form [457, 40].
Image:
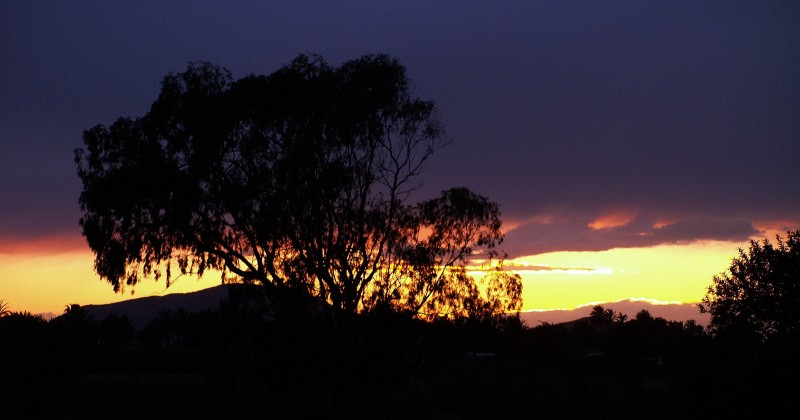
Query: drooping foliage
[295, 180]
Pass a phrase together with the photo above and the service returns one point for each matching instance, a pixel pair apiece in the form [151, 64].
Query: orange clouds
[660, 223]
[53, 244]
[612, 220]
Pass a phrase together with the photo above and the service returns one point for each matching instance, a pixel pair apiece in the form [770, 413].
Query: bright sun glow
[558, 280]
[661, 274]
[46, 283]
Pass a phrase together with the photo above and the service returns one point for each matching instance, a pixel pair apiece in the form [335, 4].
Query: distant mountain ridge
[142, 310]
[629, 307]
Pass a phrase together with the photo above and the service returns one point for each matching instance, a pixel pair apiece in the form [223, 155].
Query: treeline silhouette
[247, 359]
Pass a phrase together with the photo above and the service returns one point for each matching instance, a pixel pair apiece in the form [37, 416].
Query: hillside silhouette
[675, 312]
[143, 309]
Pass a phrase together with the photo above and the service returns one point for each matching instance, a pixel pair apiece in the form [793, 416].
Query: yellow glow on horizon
[662, 274]
[656, 301]
[42, 283]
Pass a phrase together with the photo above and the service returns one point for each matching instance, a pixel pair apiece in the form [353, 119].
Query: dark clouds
[575, 233]
[684, 111]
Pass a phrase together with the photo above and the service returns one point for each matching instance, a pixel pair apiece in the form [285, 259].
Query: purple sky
[680, 115]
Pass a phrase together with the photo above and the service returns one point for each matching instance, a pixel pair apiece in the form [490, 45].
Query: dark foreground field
[222, 364]
[464, 386]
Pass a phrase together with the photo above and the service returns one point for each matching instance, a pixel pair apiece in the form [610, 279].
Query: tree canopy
[760, 292]
[297, 180]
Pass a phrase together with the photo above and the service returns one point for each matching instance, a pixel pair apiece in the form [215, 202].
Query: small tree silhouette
[759, 295]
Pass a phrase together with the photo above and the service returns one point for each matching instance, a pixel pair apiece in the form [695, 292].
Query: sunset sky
[632, 146]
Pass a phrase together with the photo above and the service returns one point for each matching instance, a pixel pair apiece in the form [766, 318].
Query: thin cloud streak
[525, 268]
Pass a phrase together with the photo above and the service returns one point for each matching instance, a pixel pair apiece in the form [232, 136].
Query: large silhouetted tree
[297, 180]
[760, 292]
